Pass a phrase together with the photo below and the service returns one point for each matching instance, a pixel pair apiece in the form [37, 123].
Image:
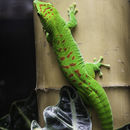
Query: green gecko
[80, 74]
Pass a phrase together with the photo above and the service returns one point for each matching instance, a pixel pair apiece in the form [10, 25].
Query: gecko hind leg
[98, 64]
[96, 67]
[72, 12]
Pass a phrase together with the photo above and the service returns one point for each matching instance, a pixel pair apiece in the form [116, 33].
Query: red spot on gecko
[74, 80]
[86, 76]
[49, 16]
[69, 54]
[44, 10]
[61, 35]
[88, 83]
[71, 75]
[66, 67]
[73, 57]
[96, 91]
[48, 12]
[77, 72]
[58, 42]
[51, 9]
[62, 58]
[87, 88]
[73, 64]
[52, 14]
[45, 14]
[65, 72]
[59, 49]
[80, 83]
[48, 8]
[41, 7]
[65, 49]
[84, 81]
[63, 41]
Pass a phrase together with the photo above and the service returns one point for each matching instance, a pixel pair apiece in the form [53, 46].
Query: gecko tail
[103, 109]
[98, 100]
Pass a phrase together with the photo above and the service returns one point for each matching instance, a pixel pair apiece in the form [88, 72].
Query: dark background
[17, 52]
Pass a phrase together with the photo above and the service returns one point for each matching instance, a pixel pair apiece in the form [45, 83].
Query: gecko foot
[99, 64]
[72, 9]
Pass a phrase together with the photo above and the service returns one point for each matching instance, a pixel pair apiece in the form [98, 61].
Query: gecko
[79, 73]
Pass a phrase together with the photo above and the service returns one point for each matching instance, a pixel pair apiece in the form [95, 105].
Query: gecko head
[45, 11]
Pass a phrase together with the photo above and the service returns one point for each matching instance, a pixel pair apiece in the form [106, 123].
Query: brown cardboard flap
[103, 30]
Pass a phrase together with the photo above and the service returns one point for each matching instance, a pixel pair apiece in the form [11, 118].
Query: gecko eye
[38, 14]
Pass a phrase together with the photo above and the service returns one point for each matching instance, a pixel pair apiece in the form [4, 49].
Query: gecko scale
[79, 73]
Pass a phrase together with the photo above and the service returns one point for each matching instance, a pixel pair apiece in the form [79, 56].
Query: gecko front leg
[48, 37]
[72, 12]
